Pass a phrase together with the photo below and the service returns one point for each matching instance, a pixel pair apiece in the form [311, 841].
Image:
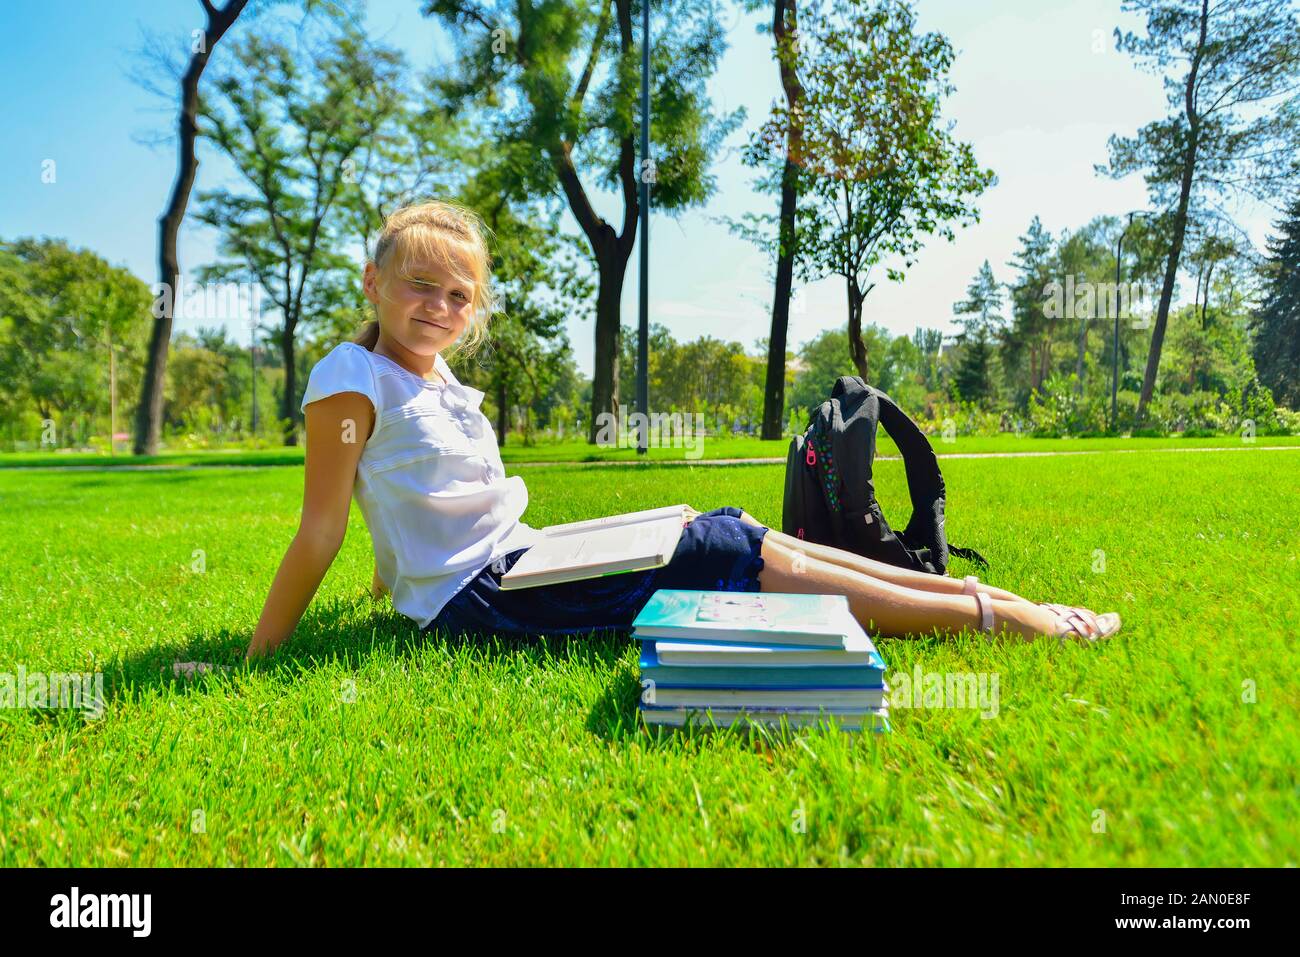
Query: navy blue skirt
[717, 552]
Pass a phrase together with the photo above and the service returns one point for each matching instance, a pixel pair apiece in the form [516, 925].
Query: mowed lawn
[665, 449]
[363, 742]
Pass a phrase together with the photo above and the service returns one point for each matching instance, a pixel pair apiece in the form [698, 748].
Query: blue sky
[1039, 89]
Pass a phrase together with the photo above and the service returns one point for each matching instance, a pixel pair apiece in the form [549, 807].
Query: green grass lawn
[362, 742]
[706, 447]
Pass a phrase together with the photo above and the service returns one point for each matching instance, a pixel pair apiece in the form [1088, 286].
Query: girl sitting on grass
[388, 422]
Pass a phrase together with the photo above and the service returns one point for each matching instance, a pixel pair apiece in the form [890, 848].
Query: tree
[292, 119]
[980, 318]
[1211, 255]
[878, 167]
[759, 153]
[1235, 121]
[1028, 340]
[148, 417]
[538, 279]
[981, 309]
[422, 152]
[517, 58]
[66, 314]
[1085, 257]
[825, 358]
[928, 343]
[973, 381]
[705, 376]
[1275, 327]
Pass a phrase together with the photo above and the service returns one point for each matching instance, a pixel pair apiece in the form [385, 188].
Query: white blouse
[430, 482]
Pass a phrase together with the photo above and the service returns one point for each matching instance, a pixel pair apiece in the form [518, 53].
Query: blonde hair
[443, 232]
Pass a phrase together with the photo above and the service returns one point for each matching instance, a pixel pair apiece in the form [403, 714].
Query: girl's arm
[337, 429]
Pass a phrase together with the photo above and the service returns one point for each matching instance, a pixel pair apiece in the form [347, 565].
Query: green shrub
[960, 418]
[1059, 409]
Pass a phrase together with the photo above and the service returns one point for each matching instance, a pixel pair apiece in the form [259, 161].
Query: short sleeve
[343, 369]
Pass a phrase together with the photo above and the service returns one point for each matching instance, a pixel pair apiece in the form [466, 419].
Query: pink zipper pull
[801, 533]
[811, 457]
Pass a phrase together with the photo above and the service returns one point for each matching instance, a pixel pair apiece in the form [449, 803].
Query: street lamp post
[112, 394]
[643, 324]
[252, 355]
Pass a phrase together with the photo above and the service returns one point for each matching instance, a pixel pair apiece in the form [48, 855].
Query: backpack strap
[924, 481]
[925, 485]
[969, 554]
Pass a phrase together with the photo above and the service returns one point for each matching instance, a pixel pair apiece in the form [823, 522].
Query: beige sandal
[1072, 622]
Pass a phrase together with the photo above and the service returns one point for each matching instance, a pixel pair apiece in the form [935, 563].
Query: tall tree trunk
[1179, 226]
[1205, 326]
[774, 387]
[1083, 347]
[148, 418]
[612, 250]
[604, 386]
[857, 348]
[1205, 303]
[288, 402]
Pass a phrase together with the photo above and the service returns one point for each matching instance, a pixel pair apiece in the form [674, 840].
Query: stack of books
[716, 658]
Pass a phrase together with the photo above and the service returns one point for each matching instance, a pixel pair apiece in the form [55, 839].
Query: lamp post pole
[643, 324]
[252, 356]
[112, 393]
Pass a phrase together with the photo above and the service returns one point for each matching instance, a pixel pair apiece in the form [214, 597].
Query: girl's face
[425, 308]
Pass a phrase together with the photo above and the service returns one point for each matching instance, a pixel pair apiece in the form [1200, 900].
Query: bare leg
[921, 581]
[890, 609]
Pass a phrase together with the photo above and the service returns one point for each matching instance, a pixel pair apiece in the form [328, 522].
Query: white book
[768, 699]
[874, 719]
[856, 649]
[631, 542]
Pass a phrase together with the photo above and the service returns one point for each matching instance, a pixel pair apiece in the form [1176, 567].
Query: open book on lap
[631, 542]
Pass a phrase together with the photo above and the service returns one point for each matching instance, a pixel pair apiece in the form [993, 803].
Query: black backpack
[829, 495]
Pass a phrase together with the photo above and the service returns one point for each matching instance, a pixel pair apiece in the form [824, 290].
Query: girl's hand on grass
[377, 587]
[691, 514]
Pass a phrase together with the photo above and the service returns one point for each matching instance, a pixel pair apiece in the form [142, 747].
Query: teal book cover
[814, 621]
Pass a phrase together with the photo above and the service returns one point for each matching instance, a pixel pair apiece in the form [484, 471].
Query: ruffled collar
[463, 402]
[459, 398]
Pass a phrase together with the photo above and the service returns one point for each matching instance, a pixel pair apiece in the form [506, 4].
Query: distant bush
[960, 418]
[1058, 409]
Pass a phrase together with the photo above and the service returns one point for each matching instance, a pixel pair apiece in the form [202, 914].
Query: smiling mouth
[430, 322]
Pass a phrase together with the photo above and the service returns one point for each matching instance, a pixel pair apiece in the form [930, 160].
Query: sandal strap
[968, 587]
[986, 612]
[1072, 620]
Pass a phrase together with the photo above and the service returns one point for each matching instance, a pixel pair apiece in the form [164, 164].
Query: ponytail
[368, 336]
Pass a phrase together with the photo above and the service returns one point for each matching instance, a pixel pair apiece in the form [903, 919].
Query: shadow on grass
[353, 631]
